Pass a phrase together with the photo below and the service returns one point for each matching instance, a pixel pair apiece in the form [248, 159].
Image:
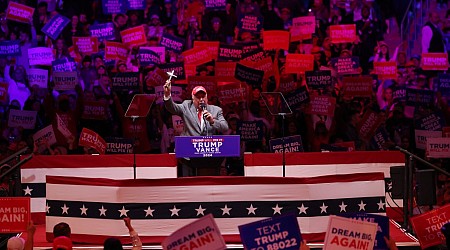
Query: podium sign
[207, 146]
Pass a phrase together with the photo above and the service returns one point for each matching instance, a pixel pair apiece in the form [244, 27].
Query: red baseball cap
[62, 242]
[197, 89]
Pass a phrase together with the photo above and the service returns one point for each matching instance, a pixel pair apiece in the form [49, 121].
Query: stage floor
[403, 240]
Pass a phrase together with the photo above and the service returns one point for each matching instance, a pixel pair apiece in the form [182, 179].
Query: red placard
[302, 28]
[358, 86]
[116, 51]
[276, 39]
[209, 82]
[3, 91]
[385, 70]
[428, 226]
[343, 33]
[196, 56]
[156, 78]
[85, 45]
[211, 46]
[74, 54]
[19, 12]
[434, 61]
[91, 139]
[224, 71]
[369, 124]
[322, 105]
[232, 92]
[298, 63]
[15, 214]
[265, 65]
[134, 36]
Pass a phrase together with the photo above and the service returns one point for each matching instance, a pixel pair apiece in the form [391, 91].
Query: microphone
[202, 105]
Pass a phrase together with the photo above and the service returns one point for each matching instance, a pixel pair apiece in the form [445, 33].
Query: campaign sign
[55, 26]
[215, 4]
[10, 48]
[176, 92]
[280, 232]
[116, 51]
[287, 84]
[38, 77]
[177, 67]
[345, 33]
[298, 63]
[399, 94]
[66, 64]
[135, 4]
[421, 137]
[89, 138]
[276, 39]
[177, 124]
[385, 70]
[322, 105]
[148, 57]
[211, 46]
[65, 80]
[202, 234]
[62, 127]
[253, 55]
[94, 110]
[382, 230]
[345, 65]
[155, 78]
[343, 234]
[161, 51]
[172, 43]
[43, 137]
[224, 71]
[302, 28]
[103, 31]
[291, 144]
[15, 214]
[438, 147]
[431, 122]
[249, 46]
[116, 145]
[231, 93]
[427, 226]
[196, 56]
[113, 7]
[75, 55]
[360, 86]
[86, 45]
[209, 82]
[127, 81]
[248, 75]
[434, 61]
[417, 97]
[266, 65]
[318, 79]
[250, 130]
[3, 91]
[369, 124]
[207, 146]
[380, 138]
[444, 82]
[22, 118]
[19, 12]
[41, 56]
[134, 36]
[250, 23]
[298, 97]
[230, 52]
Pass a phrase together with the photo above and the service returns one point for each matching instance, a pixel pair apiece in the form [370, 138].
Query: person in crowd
[432, 38]
[115, 244]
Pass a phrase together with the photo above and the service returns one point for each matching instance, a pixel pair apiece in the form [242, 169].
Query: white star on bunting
[149, 211]
[343, 207]
[277, 209]
[103, 211]
[381, 205]
[123, 212]
[27, 191]
[323, 208]
[200, 210]
[174, 211]
[302, 209]
[362, 206]
[83, 210]
[65, 209]
[226, 210]
[47, 208]
[251, 209]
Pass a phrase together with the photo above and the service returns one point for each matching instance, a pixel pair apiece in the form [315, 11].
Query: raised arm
[174, 108]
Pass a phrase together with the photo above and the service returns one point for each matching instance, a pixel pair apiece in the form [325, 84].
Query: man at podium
[200, 119]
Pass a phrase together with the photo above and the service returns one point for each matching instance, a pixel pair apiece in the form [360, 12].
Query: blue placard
[66, 64]
[135, 4]
[215, 4]
[207, 146]
[431, 122]
[379, 140]
[148, 57]
[345, 65]
[113, 7]
[115, 145]
[291, 144]
[55, 26]
[298, 98]
[399, 93]
[250, 130]
[10, 48]
[103, 31]
[250, 23]
[383, 226]
[125, 82]
[415, 97]
[283, 232]
[172, 43]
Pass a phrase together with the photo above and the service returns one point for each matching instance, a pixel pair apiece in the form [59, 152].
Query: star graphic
[200, 210]
[103, 211]
[323, 208]
[47, 208]
[226, 210]
[251, 210]
[343, 206]
[149, 211]
[362, 206]
[277, 209]
[123, 212]
[83, 210]
[302, 209]
[27, 191]
[65, 209]
[381, 205]
[174, 211]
